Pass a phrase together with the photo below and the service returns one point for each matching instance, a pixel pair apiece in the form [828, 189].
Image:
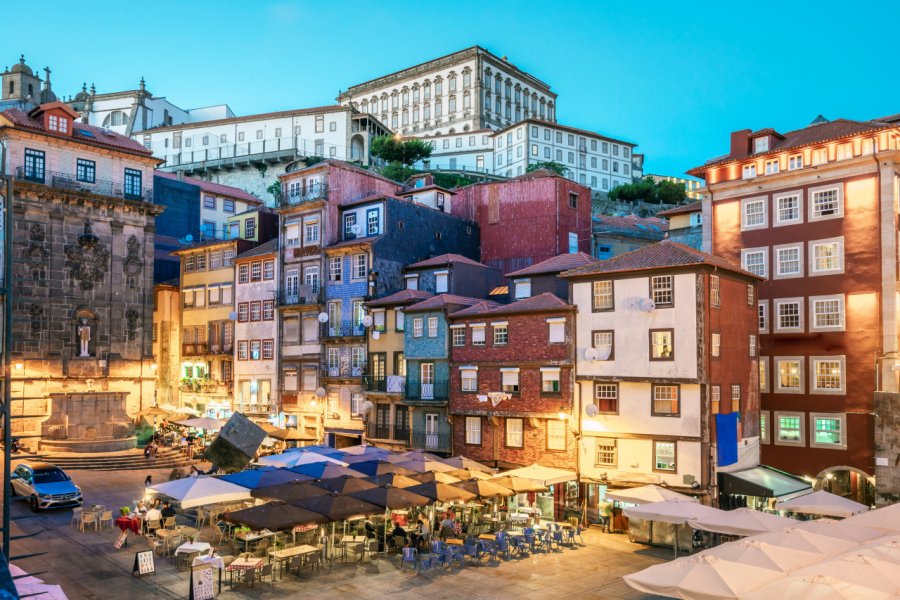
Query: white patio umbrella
[647, 494]
[822, 503]
[841, 529]
[40, 591]
[858, 569]
[547, 476]
[886, 548]
[198, 491]
[180, 410]
[672, 511]
[886, 518]
[808, 541]
[763, 555]
[742, 521]
[207, 423]
[815, 587]
[701, 577]
[293, 459]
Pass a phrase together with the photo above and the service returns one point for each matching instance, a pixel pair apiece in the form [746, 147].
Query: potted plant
[124, 511]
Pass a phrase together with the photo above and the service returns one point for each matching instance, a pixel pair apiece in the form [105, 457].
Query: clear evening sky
[675, 77]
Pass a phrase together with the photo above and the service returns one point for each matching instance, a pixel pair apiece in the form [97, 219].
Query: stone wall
[887, 448]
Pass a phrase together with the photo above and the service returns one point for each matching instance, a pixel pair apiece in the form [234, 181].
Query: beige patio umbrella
[886, 518]
[742, 521]
[463, 474]
[647, 494]
[840, 529]
[701, 577]
[267, 427]
[290, 435]
[484, 488]
[518, 484]
[423, 465]
[461, 462]
[885, 548]
[432, 476]
[822, 503]
[815, 587]
[858, 569]
[800, 539]
[763, 555]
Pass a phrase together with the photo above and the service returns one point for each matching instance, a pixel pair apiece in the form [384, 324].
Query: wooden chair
[201, 518]
[105, 517]
[169, 523]
[76, 517]
[88, 519]
[250, 575]
[267, 571]
[296, 564]
[262, 548]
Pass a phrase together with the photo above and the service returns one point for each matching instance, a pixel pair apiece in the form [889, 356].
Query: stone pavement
[88, 567]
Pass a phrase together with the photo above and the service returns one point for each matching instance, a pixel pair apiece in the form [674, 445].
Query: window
[320, 123]
[458, 335]
[788, 428]
[473, 431]
[399, 320]
[242, 350]
[378, 320]
[753, 213]
[523, 288]
[761, 144]
[255, 311]
[515, 435]
[819, 156]
[764, 374]
[468, 379]
[716, 344]
[788, 315]
[243, 312]
[573, 241]
[209, 202]
[602, 292]
[418, 326]
[501, 334]
[795, 162]
[243, 273]
[477, 334]
[268, 349]
[441, 282]
[556, 434]
[666, 401]
[826, 203]
[250, 229]
[132, 183]
[254, 349]
[335, 264]
[606, 453]
[268, 310]
[715, 399]
[256, 271]
[714, 297]
[372, 222]
[209, 229]
[826, 256]
[789, 374]
[771, 167]
[604, 344]
[268, 270]
[762, 310]
[664, 456]
[788, 261]
[85, 170]
[509, 380]
[764, 426]
[735, 394]
[360, 266]
[787, 209]
[432, 327]
[227, 205]
[749, 171]
[827, 374]
[311, 232]
[549, 380]
[661, 290]
[662, 344]
[828, 430]
[752, 345]
[606, 397]
[751, 294]
[754, 261]
[557, 330]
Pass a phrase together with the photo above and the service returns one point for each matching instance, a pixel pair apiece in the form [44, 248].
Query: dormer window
[59, 124]
[761, 144]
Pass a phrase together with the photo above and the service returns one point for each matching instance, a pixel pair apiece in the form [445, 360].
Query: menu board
[143, 563]
[202, 583]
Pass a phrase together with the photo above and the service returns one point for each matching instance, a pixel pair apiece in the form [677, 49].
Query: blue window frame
[86, 170]
[372, 225]
[209, 229]
[228, 205]
[132, 183]
[34, 164]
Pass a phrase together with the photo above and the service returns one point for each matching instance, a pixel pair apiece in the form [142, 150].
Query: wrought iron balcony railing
[439, 442]
[436, 390]
[68, 181]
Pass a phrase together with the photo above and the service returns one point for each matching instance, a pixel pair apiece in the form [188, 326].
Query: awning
[762, 481]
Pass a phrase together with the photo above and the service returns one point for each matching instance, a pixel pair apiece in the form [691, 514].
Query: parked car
[45, 486]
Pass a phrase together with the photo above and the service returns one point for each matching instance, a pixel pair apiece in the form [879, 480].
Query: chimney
[740, 143]
[179, 175]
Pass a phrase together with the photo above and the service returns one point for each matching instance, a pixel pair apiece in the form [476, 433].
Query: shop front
[758, 488]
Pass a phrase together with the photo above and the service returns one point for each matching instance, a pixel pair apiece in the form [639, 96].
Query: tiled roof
[662, 255]
[444, 259]
[563, 262]
[214, 188]
[81, 132]
[442, 300]
[401, 297]
[682, 210]
[206, 245]
[552, 125]
[355, 242]
[540, 303]
[257, 117]
[269, 247]
[340, 164]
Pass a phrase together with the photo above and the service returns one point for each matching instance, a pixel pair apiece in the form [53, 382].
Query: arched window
[31, 90]
[117, 117]
[12, 88]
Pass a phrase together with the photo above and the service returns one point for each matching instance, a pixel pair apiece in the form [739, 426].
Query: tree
[549, 165]
[395, 150]
[397, 172]
[650, 191]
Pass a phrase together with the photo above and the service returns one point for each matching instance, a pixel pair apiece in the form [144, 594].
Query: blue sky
[675, 77]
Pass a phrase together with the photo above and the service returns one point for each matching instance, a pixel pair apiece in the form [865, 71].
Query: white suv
[45, 486]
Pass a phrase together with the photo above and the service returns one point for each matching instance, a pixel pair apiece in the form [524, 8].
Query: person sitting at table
[140, 509]
[448, 527]
[370, 529]
[424, 531]
[153, 515]
[398, 531]
[167, 510]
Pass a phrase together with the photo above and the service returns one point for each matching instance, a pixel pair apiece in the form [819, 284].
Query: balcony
[207, 349]
[437, 390]
[388, 432]
[392, 384]
[220, 348]
[206, 386]
[194, 349]
[68, 182]
[342, 329]
[304, 294]
[435, 442]
[295, 197]
[342, 371]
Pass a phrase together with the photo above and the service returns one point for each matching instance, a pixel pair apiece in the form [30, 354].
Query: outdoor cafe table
[185, 532]
[129, 523]
[253, 537]
[454, 542]
[244, 564]
[282, 556]
[189, 547]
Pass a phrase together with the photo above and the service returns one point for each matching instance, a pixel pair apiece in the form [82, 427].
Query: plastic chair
[76, 517]
[201, 518]
[530, 540]
[556, 539]
[105, 517]
[456, 554]
[503, 546]
[578, 531]
[471, 551]
[88, 519]
[410, 557]
[570, 537]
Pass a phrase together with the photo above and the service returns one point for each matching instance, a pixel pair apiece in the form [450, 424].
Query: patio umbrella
[546, 475]
[701, 577]
[179, 410]
[886, 517]
[840, 529]
[353, 459]
[40, 591]
[274, 516]
[432, 476]
[394, 479]
[199, 491]
[325, 470]
[154, 411]
[647, 494]
[267, 427]
[290, 435]
[345, 484]
[294, 459]
[815, 587]
[885, 548]
[322, 449]
[800, 539]
[441, 492]
[858, 569]
[391, 497]
[461, 462]
[518, 484]
[422, 465]
[742, 521]
[822, 503]
[364, 450]
[766, 556]
[288, 492]
[377, 467]
[672, 511]
[463, 474]
[484, 488]
[338, 507]
[265, 477]
[207, 423]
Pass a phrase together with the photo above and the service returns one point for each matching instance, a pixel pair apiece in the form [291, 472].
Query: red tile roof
[443, 300]
[682, 210]
[557, 264]
[215, 188]
[541, 303]
[81, 132]
[633, 223]
[444, 259]
[661, 255]
[401, 297]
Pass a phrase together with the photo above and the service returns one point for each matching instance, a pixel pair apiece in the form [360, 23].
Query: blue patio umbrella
[257, 478]
[325, 470]
[320, 449]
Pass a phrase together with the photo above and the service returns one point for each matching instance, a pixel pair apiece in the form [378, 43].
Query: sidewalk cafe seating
[471, 550]
[410, 557]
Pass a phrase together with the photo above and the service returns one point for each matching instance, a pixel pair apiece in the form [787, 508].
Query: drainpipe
[7, 344]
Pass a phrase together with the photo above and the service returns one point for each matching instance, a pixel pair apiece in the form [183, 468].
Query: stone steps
[129, 460]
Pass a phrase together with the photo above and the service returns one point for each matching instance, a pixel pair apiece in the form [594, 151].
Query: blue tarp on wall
[727, 439]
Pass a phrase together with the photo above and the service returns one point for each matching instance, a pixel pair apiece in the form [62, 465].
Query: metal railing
[304, 294]
[431, 441]
[68, 181]
[193, 349]
[293, 197]
[390, 383]
[257, 149]
[388, 432]
[342, 371]
[342, 329]
[221, 348]
[437, 390]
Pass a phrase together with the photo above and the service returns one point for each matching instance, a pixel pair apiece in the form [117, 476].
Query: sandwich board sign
[143, 564]
[202, 583]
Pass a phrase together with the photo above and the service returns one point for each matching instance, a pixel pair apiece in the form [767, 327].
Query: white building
[256, 381]
[465, 91]
[463, 151]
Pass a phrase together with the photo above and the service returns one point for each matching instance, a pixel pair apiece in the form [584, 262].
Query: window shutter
[549, 374]
[510, 377]
[378, 319]
[557, 331]
[290, 380]
[478, 335]
[291, 330]
[200, 299]
[309, 378]
[310, 329]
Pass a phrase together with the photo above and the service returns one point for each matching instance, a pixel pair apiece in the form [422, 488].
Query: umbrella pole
[331, 544]
[675, 535]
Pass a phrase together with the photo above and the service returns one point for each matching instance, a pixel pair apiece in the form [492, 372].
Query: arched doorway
[848, 482]
[357, 148]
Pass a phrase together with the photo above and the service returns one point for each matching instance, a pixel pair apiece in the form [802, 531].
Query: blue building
[453, 274]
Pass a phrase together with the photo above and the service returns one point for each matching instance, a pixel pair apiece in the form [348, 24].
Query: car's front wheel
[34, 504]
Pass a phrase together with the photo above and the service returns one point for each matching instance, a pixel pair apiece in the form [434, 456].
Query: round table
[129, 523]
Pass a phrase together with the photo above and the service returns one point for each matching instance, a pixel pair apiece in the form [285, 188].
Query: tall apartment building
[814, 212]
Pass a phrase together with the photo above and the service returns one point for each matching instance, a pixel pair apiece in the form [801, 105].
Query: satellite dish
[355, 229]
[367, 406]
[376, 335]
[603, 353]
[590, 353]
[232, 316]
[591, 410]
[323, 317]
[320, 392]
[189, 237]
[367, 321]
[186, 240]
[647, 305]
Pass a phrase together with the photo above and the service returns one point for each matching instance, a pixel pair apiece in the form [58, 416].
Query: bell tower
[20, 83]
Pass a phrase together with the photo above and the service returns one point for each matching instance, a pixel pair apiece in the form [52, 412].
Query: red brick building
[527, 219]
[525, 350]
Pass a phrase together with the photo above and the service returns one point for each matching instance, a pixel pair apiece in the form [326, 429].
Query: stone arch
[357, 147]
[849, 482]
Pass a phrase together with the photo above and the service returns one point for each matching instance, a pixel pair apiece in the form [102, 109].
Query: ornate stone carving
[132, 320]
[35, 312]
[87, 260]
[133, 264]
[36, 254]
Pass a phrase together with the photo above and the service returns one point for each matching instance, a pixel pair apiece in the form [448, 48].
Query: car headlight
[43, 495]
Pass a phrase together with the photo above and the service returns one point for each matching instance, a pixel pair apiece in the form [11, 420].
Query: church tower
[20, 83]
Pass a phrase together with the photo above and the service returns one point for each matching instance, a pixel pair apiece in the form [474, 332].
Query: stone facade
[887, 448]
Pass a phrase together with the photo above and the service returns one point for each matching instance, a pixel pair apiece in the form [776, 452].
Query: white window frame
[547, 375]
[776, 374]
[811, 195]
[753, 342]
[500, 333]
[842, 417]
[468, 374]
[432, 327]
[813, 244]
[473, 433]
[795, 162]
[418, 327]
[510, 373]
[715, 343]
[558, 435]
[764, 304]
[556, 330]
[748, 171]
[515, 436]
[777, 221]
[523, 288]
[765, 374]
[765, 432]
[838, 358]
[776, 426]
[776, 253]
[480, 330]
[444, 278]
[457, 336]
[745, 203]
[764, 250]
[772, 166]
[777, 304]
[816, 300]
